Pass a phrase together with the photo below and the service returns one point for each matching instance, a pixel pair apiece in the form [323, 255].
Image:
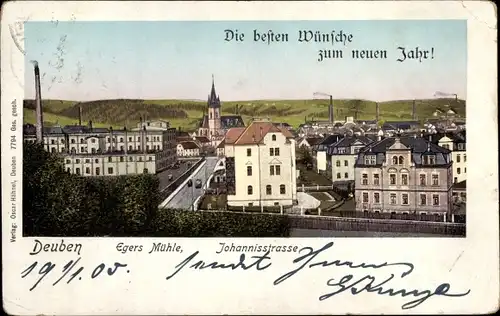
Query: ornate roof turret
[213, 98]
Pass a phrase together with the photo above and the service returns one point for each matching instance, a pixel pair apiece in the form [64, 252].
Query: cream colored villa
[260, 165]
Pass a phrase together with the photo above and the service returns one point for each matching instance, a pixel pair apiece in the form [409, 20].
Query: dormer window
[370, 160]
[401, 160]
[395, 160]
[429, 159]
[273, 137]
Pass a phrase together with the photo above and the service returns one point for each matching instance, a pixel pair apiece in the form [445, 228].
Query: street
[187, 195]
[163, 176]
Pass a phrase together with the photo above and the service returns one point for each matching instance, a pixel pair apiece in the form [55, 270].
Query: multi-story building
[260, 165]
[404, 175]
[341, 157]
[457, 144]
[91, 151]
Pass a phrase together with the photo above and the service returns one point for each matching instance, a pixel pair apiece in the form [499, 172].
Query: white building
[188, 149]
[342, 155]
[260, 165]
[457, 144]
[90, 151]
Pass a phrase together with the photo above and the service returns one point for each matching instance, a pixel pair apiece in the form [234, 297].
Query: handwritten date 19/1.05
[69, 271]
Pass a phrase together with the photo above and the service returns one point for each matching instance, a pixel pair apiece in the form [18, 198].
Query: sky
[176, 60]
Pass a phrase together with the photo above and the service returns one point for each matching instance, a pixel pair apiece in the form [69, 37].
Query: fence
[376, 225]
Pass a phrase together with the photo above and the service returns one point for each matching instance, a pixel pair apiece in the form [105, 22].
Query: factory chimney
[330, 111]
[377, 111]
[414, 111]
[80, 115]
[38, 105]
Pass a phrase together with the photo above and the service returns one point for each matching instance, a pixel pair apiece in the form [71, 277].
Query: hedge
[57, 203]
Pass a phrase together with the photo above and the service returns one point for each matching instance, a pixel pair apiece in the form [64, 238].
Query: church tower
[214, 119]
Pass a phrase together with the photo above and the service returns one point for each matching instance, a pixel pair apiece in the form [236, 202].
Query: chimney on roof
[38, 105]
[80, 115]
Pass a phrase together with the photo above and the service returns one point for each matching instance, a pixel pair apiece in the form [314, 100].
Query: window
[150, 158]
[465, 158]
[458, 171]
[121, 148]
[145, 170]
[401, 160]
[147, 139]
[77, 170]
[458, 158]
[435, 179]
[404, 179]
[337, 163]
[73, 140]
[346, 175]
[121, 159]
[271, 151]
[87, 170]
[140, 159]
[130, 139]
[365, 197]
[338, 175]
[93, 150]
[110, 170]
[278, 170]
[423, 181]
[130, 148]
[435, 199]
[68, 170]
[404, 198]
[249, 152]
[271, 170]
[77, 161]
[249, 170]
[269, 190]
[393, 198]
[52, 141]
[121, 139]
[465, 170]
[276, 151]
[364, 180]
[395, 160]
[429, 159]
[68, 161]
[282, 189]
[346, 163]
[423, 199]
[392, 179]
[53, 150]
[376, 179]
[376, 197]
[87, 160]
[273, 137]
[455, 179]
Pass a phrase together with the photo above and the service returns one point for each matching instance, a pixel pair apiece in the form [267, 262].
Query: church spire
[213, 99]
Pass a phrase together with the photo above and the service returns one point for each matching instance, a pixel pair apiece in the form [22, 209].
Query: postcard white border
[471, 262]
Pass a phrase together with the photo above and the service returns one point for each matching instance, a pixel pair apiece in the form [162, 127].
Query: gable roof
[189, 145]
[255, 133]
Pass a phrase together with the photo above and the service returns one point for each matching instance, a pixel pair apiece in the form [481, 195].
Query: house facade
[457, 144]
[404, 175]
[341, 157]
[188, 149]
[260, 166]
[90, 151]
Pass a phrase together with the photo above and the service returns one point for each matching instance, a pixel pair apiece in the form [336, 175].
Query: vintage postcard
[249, 158]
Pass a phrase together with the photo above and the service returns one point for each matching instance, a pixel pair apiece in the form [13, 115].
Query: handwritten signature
[309, 259]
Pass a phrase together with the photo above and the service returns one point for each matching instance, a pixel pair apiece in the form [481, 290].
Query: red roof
[254, 133]
[189, 145]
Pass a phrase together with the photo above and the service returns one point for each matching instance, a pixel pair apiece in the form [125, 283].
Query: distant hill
[186, 113]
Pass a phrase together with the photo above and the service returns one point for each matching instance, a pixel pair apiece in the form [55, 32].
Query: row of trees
[57, 203]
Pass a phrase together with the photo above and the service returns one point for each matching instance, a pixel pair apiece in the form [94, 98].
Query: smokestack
[414, 113]
[330, 110]
[144, 139]
[80, 115]
[38, 105]
[377, 111]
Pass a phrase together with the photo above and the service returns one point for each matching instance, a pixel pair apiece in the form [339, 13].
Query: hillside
[127, 112]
